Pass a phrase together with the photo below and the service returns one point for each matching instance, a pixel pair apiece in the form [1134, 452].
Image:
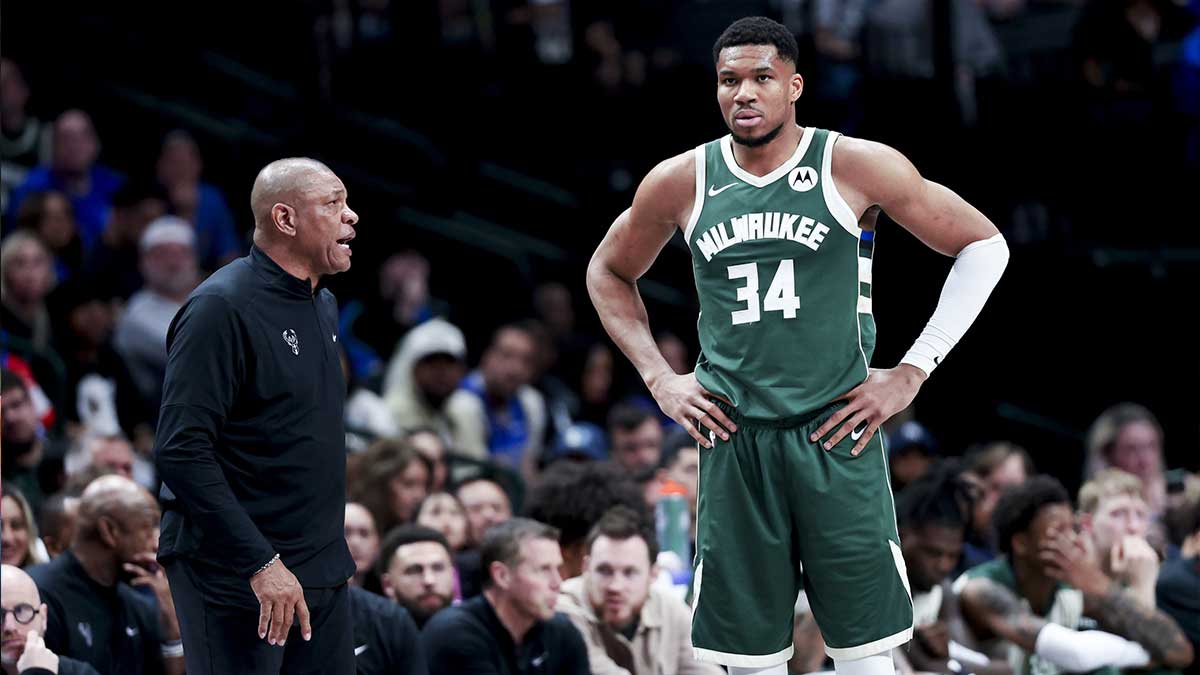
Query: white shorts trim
[877, 647]
[742, 660]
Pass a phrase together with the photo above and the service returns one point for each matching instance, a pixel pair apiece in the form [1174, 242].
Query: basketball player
[793, 478]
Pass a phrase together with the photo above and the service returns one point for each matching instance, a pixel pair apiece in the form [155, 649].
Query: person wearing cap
[167, 259]
[911, 451]
[423, 373]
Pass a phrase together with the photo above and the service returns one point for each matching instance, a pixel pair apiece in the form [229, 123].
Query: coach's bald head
[301, 217]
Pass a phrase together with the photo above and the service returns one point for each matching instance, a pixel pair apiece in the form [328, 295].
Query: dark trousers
[218, 619]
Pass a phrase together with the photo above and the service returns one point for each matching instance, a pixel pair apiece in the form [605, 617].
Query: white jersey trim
[779, 172]
[698, 203]
[833, 199]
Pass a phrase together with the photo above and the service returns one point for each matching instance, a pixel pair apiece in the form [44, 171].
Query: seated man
[1114, 516]
[417, 571]
[486, 505]
[629, 626]
[95, 613]
[1028, 604]
[512, 626]
[385, 637]
[24, 650]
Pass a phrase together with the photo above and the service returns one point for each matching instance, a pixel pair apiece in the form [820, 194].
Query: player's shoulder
[854, 155]
[675, 173]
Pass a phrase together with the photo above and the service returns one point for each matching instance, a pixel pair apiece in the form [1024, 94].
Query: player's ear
[797, 86]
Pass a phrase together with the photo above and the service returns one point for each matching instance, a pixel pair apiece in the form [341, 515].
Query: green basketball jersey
[783, 273]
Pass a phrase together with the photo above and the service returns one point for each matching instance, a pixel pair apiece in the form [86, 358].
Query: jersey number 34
[781, 295]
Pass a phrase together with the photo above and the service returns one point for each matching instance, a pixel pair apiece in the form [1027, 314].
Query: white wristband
[975, 273]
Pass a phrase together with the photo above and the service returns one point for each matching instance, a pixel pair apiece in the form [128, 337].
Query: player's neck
[1034, 586]
[764, 159]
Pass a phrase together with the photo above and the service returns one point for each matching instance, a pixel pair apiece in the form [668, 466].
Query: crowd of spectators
[505, 506]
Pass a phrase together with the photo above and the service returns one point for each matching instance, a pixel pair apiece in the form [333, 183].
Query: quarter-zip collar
[279, 278]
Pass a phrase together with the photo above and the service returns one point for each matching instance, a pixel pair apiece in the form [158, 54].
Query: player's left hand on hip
[883, 394]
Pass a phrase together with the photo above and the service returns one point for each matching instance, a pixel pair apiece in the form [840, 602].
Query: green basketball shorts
[778, 513]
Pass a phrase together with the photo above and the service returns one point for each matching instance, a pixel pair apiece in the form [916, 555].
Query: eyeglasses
[23, 613]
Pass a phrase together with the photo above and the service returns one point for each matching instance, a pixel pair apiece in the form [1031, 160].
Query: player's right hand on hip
[691, 406]
[280, 600]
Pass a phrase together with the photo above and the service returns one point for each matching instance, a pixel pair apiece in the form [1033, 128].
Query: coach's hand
[870, 404]
[683, 399]
[280, 599]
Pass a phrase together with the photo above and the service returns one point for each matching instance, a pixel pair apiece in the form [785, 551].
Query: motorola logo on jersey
[803, 178]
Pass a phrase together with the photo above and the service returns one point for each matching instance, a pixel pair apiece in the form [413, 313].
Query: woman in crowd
[442, 511]
[19, 543]
[390, 479]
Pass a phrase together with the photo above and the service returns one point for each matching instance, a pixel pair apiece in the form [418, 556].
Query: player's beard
[757, 142]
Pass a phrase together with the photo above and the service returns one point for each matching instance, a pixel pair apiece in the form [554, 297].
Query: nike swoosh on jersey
[713, 191]
[360, 649]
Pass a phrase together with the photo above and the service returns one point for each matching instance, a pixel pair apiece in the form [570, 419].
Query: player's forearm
[623, 314]
[1120, 612]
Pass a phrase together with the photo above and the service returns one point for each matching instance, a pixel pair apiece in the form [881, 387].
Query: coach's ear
[283, 217]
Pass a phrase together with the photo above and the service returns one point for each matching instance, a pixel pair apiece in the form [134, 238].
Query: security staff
[250, 443]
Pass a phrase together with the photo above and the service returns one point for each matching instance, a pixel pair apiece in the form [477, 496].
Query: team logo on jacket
[803, 178]
[289, 336]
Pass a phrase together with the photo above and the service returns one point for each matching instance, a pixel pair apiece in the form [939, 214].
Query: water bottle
[673, 526]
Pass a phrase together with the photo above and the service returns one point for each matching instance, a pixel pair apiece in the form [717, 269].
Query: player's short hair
[627, 417]
[573, 496]
[502, 543]
[404, 535]
[1108, 483]
[621, 523]
[1020, 504]
[758, 30]
[939, 497]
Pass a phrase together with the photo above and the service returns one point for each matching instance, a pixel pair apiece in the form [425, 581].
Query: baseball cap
[435, 336]
[581, 440]
[911, 434]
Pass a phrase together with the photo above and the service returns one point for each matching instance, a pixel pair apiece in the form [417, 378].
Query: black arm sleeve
[206, 364]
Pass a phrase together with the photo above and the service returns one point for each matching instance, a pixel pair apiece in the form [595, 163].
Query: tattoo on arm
[1119, 612]
[1001, 611]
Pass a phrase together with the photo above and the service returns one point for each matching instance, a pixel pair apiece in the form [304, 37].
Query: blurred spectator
[26, 278]
[512, 627]
[100, 391]
[1115, 43]
[96, 614]
[911, 451]
[636, 437]
[430, 444]
[1178, 588]
[417, 571]
[401, 305]
[1114, 515]
[424, 373]
[73, 170]
[572, 497]
[168, 264]
[992, 468]
[389, 479]
[110, 453]
[24, 613]
[113, 261]
[49, 216]
[680, 463]
[19, 544]
[22, 433]
[59, 515]
[629, 626]
[1127, 436]
[362, 538]
[933, 513]
[486, 505]
[674, 351]
[496, 413]
[385, 638]
[597, 385]
[580, 442]
[202, 205]
[24, 139]
[1044, 581]
[441, 511]
[367, 416]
